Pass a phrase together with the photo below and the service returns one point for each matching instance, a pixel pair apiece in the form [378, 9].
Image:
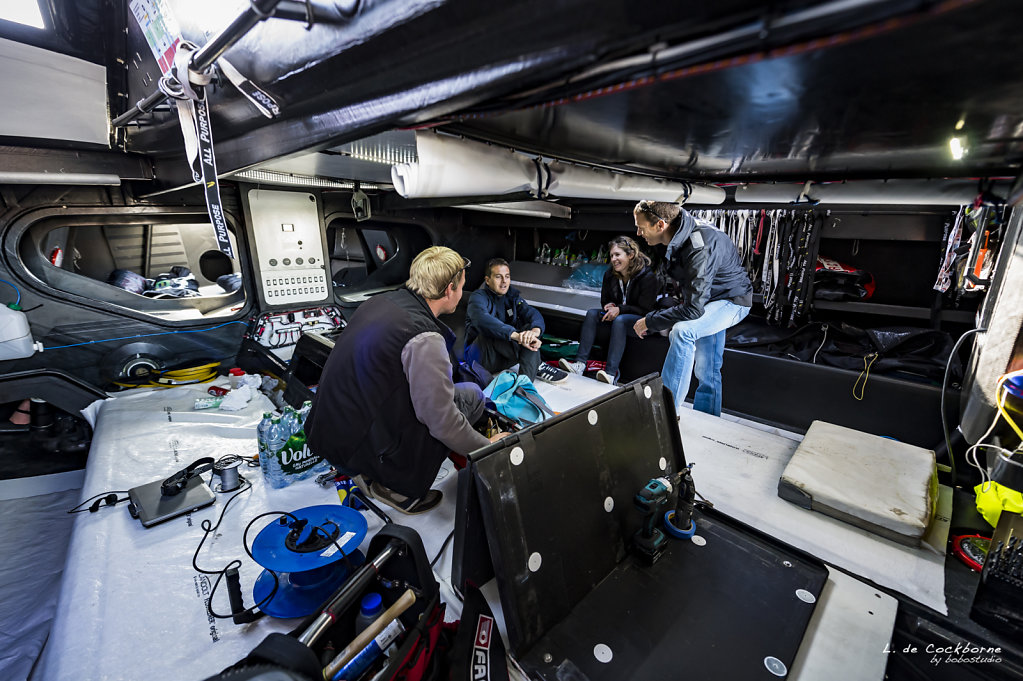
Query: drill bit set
[999, 600]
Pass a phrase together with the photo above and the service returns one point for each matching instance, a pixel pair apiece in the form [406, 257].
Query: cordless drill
[651, 501]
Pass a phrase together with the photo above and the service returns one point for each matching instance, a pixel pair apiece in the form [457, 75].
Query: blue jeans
[621, 328]
[699, 344]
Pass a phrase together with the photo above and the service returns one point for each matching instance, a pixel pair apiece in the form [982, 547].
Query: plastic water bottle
[371, 607]
[261, 439]
[290, 422]
[275, 439]
[303, 413]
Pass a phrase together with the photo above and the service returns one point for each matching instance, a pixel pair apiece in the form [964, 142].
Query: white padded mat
[738, 467]
[865, 479]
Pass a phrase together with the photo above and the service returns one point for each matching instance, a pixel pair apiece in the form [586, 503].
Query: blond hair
[433, 270]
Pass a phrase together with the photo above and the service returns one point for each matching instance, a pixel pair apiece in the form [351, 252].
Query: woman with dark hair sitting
[628, 292]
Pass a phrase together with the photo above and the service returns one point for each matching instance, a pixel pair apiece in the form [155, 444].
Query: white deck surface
[131, 594]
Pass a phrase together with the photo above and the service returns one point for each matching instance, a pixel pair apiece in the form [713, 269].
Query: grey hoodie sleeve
[428, 370]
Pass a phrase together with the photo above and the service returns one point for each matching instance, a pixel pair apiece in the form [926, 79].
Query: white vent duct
[594, 183]
[452, 167]
[878, 192]
[449, 166]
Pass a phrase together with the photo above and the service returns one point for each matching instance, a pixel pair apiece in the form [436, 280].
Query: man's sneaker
[611, 379]
[363, 483]
[403, 503]
[545, 372]
[572, 367]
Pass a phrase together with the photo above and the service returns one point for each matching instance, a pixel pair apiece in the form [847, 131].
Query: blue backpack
[516, 397]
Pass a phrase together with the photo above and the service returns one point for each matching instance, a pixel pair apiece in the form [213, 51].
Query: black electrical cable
[944, 387]
[442, 547]
[209, 528]
[79, 509]
[229, 459]
[345, 556]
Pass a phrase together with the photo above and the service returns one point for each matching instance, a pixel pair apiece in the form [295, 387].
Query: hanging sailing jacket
[640, 296]
[701, 265]
[496, 316]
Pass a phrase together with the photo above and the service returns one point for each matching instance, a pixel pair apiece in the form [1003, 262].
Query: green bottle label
[295, 456]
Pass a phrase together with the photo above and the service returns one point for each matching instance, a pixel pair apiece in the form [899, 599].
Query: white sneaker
[572, 367]
[607, 378]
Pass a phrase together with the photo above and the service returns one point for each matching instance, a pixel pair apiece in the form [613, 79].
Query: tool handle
[234, 590]
[369, 633]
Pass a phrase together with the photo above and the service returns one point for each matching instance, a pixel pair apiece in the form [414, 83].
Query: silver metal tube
[347, 594]
[236, 30]
[204, 57]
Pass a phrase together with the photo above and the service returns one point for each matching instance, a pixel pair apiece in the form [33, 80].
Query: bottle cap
[236, 372]
[372, 604]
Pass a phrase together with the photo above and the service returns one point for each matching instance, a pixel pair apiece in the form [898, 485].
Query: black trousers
[497, 355]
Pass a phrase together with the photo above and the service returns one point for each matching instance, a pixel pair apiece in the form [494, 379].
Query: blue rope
[144, 335]
[18, 301]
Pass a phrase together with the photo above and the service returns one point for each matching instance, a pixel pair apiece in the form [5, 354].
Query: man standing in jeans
[707, 290]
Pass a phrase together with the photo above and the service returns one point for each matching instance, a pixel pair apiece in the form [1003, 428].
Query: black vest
[362, 419]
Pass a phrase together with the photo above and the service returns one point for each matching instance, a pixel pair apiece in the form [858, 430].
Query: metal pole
[206, 55]
[348, 593]
[223, 41]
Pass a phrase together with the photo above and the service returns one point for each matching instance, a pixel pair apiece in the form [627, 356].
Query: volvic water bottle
[276, 437]
[261, 434]
[289, 419]
[303, 413]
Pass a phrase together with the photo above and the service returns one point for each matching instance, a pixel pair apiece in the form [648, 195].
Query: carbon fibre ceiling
[726, 91]
[723, 91]
[879, 101]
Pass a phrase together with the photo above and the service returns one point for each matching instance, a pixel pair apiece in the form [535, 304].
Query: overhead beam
[67, 166]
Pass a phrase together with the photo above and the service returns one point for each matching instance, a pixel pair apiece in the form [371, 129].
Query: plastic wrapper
[588, 277]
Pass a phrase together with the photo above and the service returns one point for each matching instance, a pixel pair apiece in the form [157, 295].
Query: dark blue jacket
[497, 316]
[701, 265]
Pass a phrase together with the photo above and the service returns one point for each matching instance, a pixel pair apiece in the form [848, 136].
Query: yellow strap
[1005, 415]
[865, 374]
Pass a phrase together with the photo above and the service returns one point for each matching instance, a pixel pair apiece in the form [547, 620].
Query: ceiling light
[535, 209]
[276, 177]
[956, 145]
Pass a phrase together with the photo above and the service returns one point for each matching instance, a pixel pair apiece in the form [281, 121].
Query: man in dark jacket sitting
[504, 328]
[706, 291]
[386, 411]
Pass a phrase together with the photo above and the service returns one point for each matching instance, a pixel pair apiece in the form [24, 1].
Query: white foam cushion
[879, 484]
